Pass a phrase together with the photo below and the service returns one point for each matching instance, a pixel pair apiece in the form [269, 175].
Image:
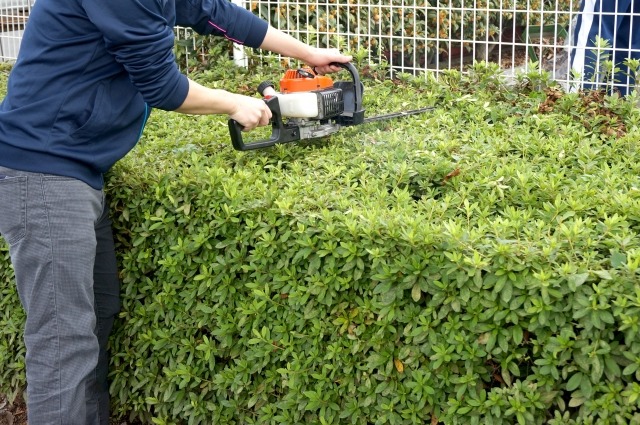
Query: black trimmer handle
[279, 132]
[352, 94]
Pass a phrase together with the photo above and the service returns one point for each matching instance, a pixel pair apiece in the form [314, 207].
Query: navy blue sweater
[89, 71]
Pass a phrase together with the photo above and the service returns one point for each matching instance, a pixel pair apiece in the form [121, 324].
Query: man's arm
[251, 112]
[278, 42]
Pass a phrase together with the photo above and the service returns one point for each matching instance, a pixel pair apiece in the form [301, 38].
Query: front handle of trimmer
[279, 133]
[352, 95]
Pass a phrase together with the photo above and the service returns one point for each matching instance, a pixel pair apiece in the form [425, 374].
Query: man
[618, 22]
[87, 75]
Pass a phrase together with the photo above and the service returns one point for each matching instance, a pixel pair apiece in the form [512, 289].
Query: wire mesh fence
[435, 35]
[588, 43]
[413, 36]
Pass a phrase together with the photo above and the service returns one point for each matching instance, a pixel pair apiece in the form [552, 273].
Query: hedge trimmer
[313, 105]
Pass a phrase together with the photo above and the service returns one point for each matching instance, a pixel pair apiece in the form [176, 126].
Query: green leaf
[577, 401]
[618, 259]
[597, 369]
[604, 274]
[574, 382]
[630, 369]
[518, 335]
[585, 387]
[416, 293]
[576, 280]
[507, 292]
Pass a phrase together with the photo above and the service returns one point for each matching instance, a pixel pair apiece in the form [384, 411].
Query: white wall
[6, 4]
[9, 44]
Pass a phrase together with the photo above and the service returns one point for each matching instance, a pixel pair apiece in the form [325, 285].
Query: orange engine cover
[293, 82]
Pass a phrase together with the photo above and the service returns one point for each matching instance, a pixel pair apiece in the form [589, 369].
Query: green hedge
[474, 265]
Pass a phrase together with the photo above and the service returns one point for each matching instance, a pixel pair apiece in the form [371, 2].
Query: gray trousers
[61, 246]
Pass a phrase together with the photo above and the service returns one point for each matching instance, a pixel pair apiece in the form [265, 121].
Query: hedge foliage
[474, 265]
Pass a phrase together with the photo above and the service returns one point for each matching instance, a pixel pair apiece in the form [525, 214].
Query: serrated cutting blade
[398, 114]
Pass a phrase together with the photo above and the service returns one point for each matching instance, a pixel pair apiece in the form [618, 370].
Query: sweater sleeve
[139, 35]
[222, 18]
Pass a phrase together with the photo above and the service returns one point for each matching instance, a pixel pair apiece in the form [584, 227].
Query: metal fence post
[239, 56]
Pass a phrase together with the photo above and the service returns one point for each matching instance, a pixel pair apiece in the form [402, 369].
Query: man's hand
[279, 42]
[250, 112]
[320, 60]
